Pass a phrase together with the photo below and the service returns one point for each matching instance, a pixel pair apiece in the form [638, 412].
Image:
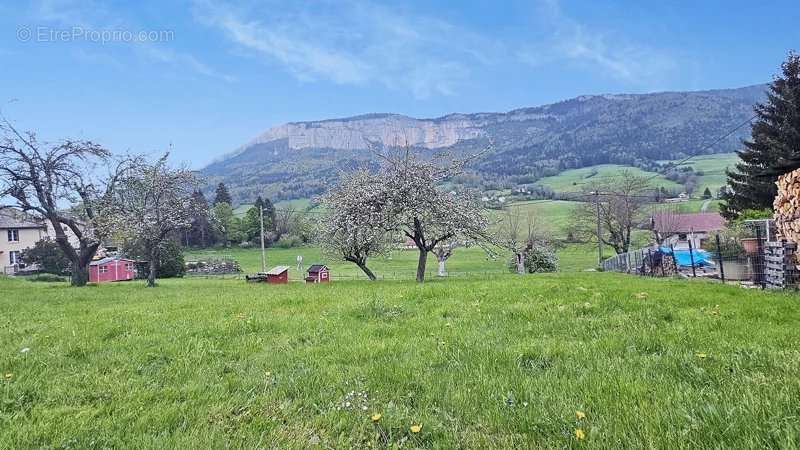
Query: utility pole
[599, 228]
[263, 253]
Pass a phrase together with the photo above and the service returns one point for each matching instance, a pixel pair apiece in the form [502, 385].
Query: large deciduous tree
[355, 224]
[517, 234]
[152, 202]
[618, 204]
[425, 213]
[56, 180]
[773, 149]
[200, 233]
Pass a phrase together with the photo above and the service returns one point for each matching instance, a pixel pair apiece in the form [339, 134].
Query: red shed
[112, 269]
[318, 273]
[278, 275]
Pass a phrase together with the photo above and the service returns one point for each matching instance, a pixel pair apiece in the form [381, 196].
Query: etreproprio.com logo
[82, 34]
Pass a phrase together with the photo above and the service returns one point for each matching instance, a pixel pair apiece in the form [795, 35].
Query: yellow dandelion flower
[415, 428]
[376, 417]
[641, 295]
[580, 415]
[580, 434]
[9, 376]
[701, 355]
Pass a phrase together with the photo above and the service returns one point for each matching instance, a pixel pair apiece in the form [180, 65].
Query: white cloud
[572, 42]
[353, 42]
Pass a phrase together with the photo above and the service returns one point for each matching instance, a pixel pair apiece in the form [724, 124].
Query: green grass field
[575, 180]
[401, 264]
[505, 362]
[713, 167]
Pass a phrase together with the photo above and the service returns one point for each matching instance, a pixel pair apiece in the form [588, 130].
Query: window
[13, 235]
[128, 267]
[103, 269]
[13, 258]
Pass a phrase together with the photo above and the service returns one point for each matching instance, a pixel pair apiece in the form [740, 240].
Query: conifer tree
[222, 195]
[774, 147]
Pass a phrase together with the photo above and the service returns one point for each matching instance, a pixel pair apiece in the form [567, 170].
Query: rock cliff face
[388, 129]
[299, 159]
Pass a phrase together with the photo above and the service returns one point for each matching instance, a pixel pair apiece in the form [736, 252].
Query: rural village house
[680, 229]
[19, 231]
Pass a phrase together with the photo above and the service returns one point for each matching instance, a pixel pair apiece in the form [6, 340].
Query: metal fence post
[760, 259]
[691, 259]
[650, 261]
[721, 265]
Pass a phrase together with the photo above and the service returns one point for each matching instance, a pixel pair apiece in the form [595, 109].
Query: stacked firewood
[787, 206]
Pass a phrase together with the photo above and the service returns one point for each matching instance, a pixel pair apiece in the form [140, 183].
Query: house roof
[13, 218]
[686, 223]
[317, 267]
[277, 270]
[102, 261]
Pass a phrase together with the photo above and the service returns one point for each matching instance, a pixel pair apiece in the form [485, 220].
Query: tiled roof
[108, 260]
[685, 223]
[13, 218]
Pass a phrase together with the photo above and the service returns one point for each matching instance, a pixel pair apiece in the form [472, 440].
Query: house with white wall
[18, 231]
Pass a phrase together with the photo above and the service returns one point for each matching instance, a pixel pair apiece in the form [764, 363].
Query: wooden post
[263, 252]
[691, 258]
[599, 228]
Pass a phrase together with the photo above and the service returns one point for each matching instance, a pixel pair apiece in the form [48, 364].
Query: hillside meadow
[544, 361]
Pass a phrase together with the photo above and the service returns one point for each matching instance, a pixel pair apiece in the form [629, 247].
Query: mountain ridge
[630, 129]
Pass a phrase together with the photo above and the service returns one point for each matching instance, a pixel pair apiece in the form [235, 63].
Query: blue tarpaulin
[701, 257]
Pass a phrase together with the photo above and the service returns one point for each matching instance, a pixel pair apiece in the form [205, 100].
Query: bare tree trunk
[520, 260]
[442, 272]
[423, 259]
[80, 274]
[151, 276]
[367, 272]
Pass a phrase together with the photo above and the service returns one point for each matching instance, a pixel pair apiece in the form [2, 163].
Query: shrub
[539, 258]
[47, 255]
[46, 278]
[288, 241]
[729, 240]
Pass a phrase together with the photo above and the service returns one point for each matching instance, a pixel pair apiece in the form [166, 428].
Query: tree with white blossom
[421, 211]
[355, 226]
[153, 201]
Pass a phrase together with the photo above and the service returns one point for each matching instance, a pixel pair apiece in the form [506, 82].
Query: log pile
[787, 206]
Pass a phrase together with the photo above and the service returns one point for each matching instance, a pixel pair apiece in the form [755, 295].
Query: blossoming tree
[152, 201]
[355, 225]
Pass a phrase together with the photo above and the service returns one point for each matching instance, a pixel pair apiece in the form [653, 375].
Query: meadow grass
[401, 264]
[504, 362]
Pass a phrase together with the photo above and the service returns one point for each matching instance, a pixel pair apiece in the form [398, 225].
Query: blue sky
[206, 76]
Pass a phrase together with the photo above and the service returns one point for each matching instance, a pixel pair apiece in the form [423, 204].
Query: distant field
[499, 362]
[713, 167]
[552, 217]
[575, 180]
